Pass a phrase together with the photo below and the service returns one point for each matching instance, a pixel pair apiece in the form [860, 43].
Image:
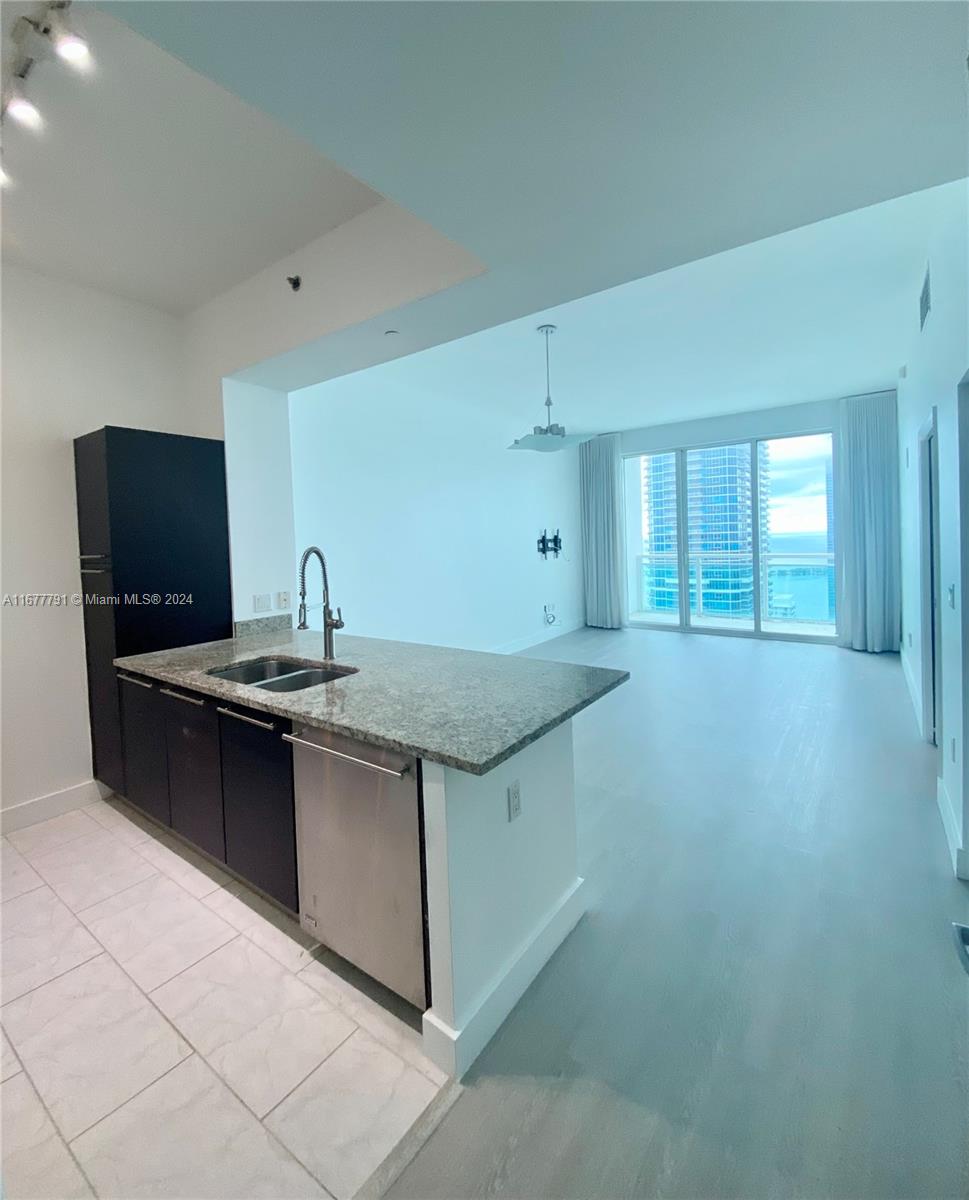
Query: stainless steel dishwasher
[358, 846]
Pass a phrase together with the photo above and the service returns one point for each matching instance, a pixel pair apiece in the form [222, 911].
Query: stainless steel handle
[248, 720]
[357, 762]
[962, 944]
[95, 571]
[131, 679]
[87, 557]
[181, 696]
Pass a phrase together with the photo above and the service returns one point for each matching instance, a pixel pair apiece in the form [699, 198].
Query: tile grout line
[29, 890]
[325, 1058]
[50, 1117]
[195, 1050]
[66, 842]
[384, 1041]
[133, 1096]
[53, 978]
[337, 1007]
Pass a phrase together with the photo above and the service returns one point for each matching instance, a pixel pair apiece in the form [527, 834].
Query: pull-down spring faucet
[329, 621]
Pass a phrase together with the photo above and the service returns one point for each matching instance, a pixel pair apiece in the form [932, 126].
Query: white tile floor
[168, 1033]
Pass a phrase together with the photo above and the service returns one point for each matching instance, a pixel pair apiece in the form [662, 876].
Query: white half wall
[428, 522]
[501, 895]
[74, 360]
[937, 360]
[259, 484]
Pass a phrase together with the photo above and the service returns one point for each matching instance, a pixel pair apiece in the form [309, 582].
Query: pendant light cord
[548, 383]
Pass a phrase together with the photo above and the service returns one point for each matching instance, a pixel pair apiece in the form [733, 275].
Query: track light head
[68, 44]
[21, 108]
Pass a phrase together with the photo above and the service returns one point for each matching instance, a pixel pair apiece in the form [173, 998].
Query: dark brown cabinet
[257, 797]
[194, 770]
[145, 752]
[153, 537]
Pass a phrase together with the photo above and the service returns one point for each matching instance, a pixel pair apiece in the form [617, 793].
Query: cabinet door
[145, 755]
[91, 481]
[194, 774]
[257, 790]
[107, 752]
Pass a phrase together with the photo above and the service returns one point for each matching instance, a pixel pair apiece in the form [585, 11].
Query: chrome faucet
[329, 621]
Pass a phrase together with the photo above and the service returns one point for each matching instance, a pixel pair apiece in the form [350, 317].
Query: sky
[798, 502]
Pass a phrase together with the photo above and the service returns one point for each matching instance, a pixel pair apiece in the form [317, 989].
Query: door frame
[930, 582]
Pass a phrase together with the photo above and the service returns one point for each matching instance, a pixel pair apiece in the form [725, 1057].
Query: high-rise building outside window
[734, 537]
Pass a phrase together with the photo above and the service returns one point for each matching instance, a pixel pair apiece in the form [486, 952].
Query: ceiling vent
[925, 300]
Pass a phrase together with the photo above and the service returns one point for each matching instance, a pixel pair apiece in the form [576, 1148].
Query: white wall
[783, 421]
[937, 358]
[372, 263]
[73, 360]
[259, 484]
[428, 522]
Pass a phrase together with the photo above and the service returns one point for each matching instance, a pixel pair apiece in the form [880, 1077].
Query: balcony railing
[797, 587]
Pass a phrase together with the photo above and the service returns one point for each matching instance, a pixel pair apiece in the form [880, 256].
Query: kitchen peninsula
[434, 830]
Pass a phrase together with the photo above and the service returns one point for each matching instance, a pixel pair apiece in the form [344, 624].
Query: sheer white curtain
[601, 508]
[867, 530]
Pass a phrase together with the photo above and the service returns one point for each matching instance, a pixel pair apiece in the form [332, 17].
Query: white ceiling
[821, 312]
[575, 146]
[154, 183]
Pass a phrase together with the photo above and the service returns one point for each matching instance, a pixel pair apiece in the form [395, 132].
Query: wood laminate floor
[764, 999]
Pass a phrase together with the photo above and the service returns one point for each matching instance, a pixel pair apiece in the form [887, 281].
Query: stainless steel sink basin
[302, 679]
[280, 674]
[255, 672]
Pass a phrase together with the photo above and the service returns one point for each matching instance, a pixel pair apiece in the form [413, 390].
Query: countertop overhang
[464, 708]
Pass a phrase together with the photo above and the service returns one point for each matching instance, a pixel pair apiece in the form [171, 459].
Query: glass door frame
[685, 625]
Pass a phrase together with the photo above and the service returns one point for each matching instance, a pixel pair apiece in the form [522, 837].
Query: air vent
[925, 300]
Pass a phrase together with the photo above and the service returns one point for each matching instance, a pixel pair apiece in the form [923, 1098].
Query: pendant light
[549, 436]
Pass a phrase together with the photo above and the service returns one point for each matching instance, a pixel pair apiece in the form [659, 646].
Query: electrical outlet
[953, 749]
[282, 601]
[910, 641]
[262, 602]
[514, 800]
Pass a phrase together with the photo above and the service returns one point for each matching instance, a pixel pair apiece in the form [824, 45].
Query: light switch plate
[282, 601]
[262, 602]
[514, 800]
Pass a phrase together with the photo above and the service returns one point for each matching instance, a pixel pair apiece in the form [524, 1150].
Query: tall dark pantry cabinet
[154, 544]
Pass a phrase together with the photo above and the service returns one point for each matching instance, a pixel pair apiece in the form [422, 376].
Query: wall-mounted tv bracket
[551, 544]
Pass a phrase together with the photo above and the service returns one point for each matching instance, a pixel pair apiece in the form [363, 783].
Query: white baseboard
[42, 808]
[914, 690]
[536, 639]
[950, 824]
[454, 1050]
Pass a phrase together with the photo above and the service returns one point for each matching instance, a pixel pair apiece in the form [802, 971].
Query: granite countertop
[462, 708]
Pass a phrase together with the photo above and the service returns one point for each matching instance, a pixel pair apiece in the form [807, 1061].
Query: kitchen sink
[255, 672]
[303, 679]
[280, 674]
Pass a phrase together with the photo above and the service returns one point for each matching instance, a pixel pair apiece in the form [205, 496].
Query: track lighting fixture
[68, 44]
[35, 39]
[20, 107]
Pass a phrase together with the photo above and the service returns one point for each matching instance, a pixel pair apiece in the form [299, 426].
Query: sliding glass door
[720, 537]
[652, 531]
[797, 572]
[735, 537]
